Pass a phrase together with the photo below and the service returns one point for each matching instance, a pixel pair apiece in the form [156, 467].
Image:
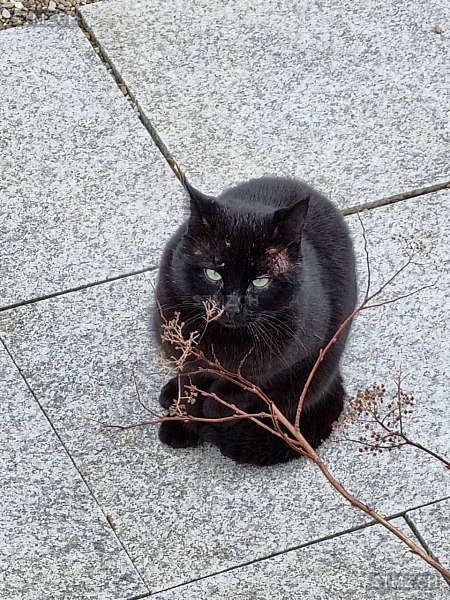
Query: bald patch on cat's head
[278, 260]
[200, 247]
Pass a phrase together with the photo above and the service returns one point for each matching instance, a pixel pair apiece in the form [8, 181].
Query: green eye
[261, 282]
[213, 275]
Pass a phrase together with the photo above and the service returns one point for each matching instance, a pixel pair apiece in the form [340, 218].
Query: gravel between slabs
[13, 14]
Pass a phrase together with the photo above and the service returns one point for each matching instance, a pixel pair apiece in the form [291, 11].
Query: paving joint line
[304, 545]
[79, 288]
[278, 553]
[109, 64]
[345, 212]
[422, 541]
[103, 55]
[140, 596]
[72, 460]
[429, 189]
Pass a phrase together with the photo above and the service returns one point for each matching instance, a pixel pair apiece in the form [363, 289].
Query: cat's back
[270, 192]
[279, 192]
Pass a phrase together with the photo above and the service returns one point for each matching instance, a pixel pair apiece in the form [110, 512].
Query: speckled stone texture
[181, 514]
[184, 514]
[55, 543]
[364, 564]
[82, 185]
[433, 525]
[351, 96]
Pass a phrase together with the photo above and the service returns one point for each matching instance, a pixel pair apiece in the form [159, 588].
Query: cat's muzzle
[233, 312]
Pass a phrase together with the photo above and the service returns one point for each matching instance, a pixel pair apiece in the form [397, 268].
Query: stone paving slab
[181, 514]
[82, 184]
[190, 513]
[433, 524]
[351, 96]
[55, 543]
[363, 564]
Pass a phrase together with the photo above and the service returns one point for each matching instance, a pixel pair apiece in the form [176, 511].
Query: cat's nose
[232, 306]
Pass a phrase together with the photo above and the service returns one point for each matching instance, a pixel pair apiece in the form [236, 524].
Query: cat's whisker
[274, 322]
[265, 335]
[279, 326]
[256, 341]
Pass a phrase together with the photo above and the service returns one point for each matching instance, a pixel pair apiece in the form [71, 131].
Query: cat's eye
[213, 275]
[260, 282]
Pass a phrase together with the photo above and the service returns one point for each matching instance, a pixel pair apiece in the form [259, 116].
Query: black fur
[286, 230]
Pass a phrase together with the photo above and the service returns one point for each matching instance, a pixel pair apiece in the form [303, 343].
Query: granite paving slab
[364, 564]
[82, 185]
[55, 543]
[181, 514]
[185, 514]
[433, 524]
[351, 96]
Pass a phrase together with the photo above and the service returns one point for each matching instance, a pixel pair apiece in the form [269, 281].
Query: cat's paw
[179, 435]
[169, 393]
[247, 443]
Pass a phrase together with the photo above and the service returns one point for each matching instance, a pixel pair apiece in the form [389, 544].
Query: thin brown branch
[188, 419]
[293, 436]
[402, 297]
[241, 364]
[394, 276]
[138, 395]
[362, 307]
[319, 359]
[426, 450]
[366, 252]
[415, 549]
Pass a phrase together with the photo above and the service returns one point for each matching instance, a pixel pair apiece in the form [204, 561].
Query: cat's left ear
[288, 222]
[202, 208]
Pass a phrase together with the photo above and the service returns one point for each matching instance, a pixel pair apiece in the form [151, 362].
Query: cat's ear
[201, 209]
[288, 222]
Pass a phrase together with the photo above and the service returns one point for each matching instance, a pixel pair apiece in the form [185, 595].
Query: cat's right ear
[288, 222]
[201, 209]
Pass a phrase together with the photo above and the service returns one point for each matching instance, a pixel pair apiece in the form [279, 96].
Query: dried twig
[366, 304]
[173, 333]
[383, 422]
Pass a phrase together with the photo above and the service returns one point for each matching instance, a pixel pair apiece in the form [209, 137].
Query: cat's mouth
[232, 322]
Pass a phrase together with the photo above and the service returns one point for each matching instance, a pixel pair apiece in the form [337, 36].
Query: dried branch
[173, 333]
[383, 422]
[365, 305]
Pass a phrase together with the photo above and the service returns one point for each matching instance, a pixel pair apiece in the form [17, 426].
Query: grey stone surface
[55, 543]
[432, 523]
[412, 335]
[363, 564]
[351, 96]
[181, 514]
[82, 184]
[189, 513]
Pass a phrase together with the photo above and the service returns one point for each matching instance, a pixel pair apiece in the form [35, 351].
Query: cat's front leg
[243, 441]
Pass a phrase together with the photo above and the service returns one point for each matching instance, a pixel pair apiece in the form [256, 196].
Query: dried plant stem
[381, 520]
[426, 450]
[298, 442]
[366, 304]
[188, 348]
[188, 419]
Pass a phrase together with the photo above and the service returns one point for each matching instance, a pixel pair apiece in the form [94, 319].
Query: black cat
[277, 255]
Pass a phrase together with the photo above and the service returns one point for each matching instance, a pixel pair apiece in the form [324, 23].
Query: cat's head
[242, 249]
